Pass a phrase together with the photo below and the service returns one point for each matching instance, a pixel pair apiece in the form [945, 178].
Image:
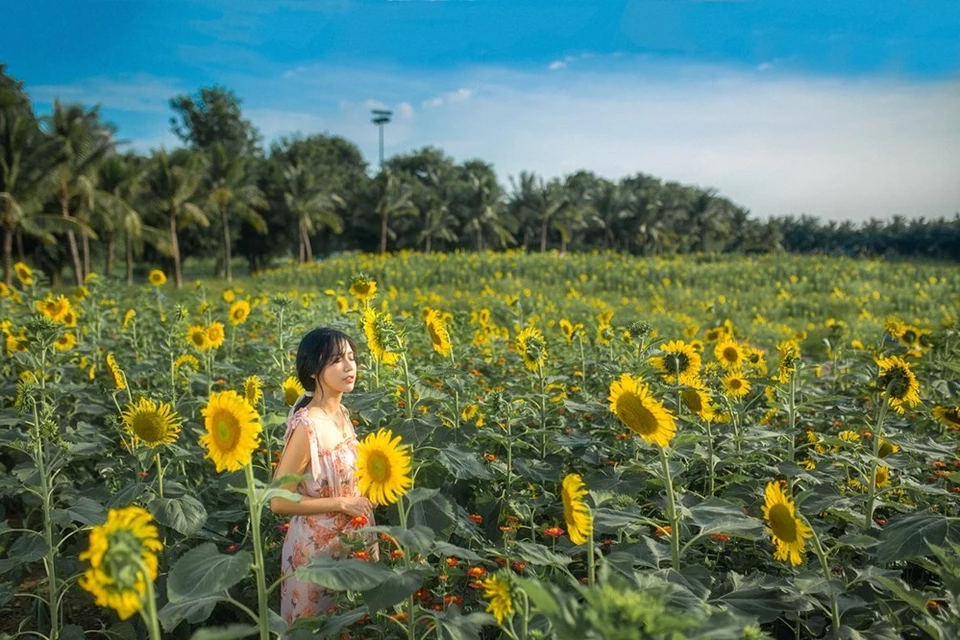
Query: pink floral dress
[317, 535]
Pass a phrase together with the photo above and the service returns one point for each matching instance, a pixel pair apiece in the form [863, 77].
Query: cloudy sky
[843, 110]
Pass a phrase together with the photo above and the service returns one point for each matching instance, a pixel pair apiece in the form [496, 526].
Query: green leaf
[418, 539]
[193, 611]
[203, 571]
[83, 510]
[225, 633]
[343, 575]
[463, 464]
[394, 590]
[455, 625]
[719, 516]
[451, 550]
[29, 547]
[910, 535]
[185, 514]
[336, 623]
[419, 494]
[539, 555]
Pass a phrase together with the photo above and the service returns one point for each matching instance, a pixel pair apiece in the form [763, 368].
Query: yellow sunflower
[69, 319]
[499, 595]
[239, 312]
[729, 354]
[887, 448]
[532, 348]
[439, 336]
[714, 334]
[755, 360]
[5, 291]
[186, 360]
[119, 551]
[576, 513]
[679, 362]
[24, 273]
[232, 430]
[471, 412]
[197, 337]
[15, 344]
[54, 307]
[383, 467]
[119, 379]
[378, 329]
[343, 305]
[152, 423]
[735, 385]
[948, 416]
[215, 335]
[65, 342]
[789, 354]
[157, 278]
[697, 399]
[789, 531]
[128, 318]
[253, 390]
[882, 476]
[291, 390]
[363, 288]
[570, 330]
[636, 407]
[897, 379]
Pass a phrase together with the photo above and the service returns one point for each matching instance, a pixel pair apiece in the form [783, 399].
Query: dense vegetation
[71, 201]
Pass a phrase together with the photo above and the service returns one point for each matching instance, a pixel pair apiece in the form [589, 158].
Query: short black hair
[318, 349]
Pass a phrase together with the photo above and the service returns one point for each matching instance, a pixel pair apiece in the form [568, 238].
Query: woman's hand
[356, 506]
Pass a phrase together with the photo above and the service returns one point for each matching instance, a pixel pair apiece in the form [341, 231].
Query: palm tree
[79, 143]
[313, 206]
[230, 192]
[396, 200]
[438, 221]
[482, 206]
[171, 181]
[539, 202]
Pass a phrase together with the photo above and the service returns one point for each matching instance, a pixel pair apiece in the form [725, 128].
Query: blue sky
[843, 110]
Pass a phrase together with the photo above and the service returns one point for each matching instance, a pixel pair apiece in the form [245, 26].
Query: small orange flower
[359, 521]
[361, 555]
[662, 531]
[396, 554]
[720, 537]
[553, 532]
[452, 562]
[476, 518]
[476, 572]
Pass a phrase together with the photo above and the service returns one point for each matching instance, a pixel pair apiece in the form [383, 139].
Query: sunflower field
[579, 446]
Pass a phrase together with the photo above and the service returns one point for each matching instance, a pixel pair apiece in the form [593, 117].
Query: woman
[319, 441]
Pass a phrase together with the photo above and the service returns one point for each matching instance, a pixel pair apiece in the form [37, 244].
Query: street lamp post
[380, 118]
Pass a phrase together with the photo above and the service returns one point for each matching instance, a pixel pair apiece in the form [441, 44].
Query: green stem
[149, 612]
[672, 515]
[156, 459]
[711, 474]
[825, 566]
[875, 462]
[50, 560]
[255, 507]
[411, 618]
[543, 412]
[591, 562]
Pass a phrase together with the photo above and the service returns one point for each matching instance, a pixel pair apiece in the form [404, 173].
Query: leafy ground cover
[600, 446]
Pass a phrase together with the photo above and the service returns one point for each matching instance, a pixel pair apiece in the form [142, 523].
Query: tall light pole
[380, 118]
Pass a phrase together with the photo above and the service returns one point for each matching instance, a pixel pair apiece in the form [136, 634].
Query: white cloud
[556, 65]
[460, 95]
[139, 92]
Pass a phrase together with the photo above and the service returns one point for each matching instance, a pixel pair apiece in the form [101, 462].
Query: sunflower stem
[671, 511]
[50, 560]
[875, 462]
[591, 560]
[711, 473]
[149, 612]
[411, 618]
[825, 566]
[156, 460]
[543, 412]
[253, 502]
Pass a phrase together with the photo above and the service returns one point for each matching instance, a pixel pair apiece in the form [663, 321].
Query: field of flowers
[567, 446]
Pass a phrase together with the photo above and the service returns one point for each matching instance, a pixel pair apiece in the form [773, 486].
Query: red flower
[452, 562]
[553, 532]
[396, 553]
[476, 518]
[662, 531]
[476, 572]
[448, 600]
[359, 521]
[361, 555]
[519, 566]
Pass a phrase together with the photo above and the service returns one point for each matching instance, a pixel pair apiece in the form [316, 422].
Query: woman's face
[340, 375]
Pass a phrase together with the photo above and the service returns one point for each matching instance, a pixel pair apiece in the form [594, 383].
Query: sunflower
[5, 291]
[157, 278]
[497, 590]
[887, 448]
[714, 334]
[729, 354]
[789, 531]
[697, 399]
[735, 385]
[899, 383]
[233, 430]
[65, 342]
[895, 328]
[679, 363]
[291, 390]
[383, 467]
[378, 329]
[636, 407]
[215, 335]
[24, 273]
[342, 304]
[948, 416]
[471, 412]
[187, 360]
[197, 336]
[69, 319]
[54, 307]
[570, 330]
[119, 551]
[15, 344]
[789, 354]
[152, 423]
[439, 336]
[119, 379]
[128, 318]
[253, 390]
[755, 360]
[882, 476]
[532, 348]
[576, 513]
[363, 288]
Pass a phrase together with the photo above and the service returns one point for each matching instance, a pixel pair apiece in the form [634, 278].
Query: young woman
[319, 441]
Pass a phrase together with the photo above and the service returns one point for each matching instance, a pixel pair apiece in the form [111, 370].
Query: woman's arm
[295, 460]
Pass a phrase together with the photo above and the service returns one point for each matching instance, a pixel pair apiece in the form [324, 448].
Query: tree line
[71, 199]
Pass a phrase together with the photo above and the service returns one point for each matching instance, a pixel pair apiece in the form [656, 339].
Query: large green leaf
[463, 464]
[455, 625]
[393, 590]
[343, 575]
[185, 515]
[719, 516]
[910, 535]
[203, 571]
[29, 547]
[230, 632]
[419, 494]
[539, 555]
[81, 509]
[193, 611]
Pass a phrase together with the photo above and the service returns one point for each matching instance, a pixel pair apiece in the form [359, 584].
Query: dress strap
[301, 419]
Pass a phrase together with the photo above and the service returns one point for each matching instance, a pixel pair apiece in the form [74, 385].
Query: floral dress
[317, 535]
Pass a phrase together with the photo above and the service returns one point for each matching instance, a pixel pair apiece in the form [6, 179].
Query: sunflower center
[735, 384]
[635, 415]
[198, 339]
[378, 465]
[731, 354]
[692, 399]
[226, 430]
[149, 427]
[434, 334]
[677, 362]
[897, 383]
[782, 523]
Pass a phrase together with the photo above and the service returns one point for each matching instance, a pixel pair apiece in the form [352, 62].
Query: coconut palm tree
[314, 207]
[395, 201]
